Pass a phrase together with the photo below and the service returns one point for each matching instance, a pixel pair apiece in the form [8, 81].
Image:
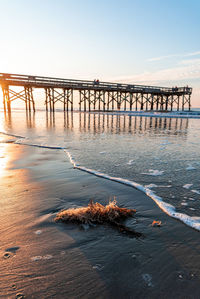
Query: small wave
[169, 209]
[187, 186]
[39, 145]
[12, 135]
[22, 142]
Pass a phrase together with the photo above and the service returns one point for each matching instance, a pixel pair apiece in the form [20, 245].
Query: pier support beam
[54, 95]
[10, 95]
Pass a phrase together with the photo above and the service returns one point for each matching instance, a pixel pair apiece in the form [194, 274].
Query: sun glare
[3, 146]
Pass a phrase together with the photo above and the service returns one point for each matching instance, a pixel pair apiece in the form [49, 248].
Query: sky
[134, 41]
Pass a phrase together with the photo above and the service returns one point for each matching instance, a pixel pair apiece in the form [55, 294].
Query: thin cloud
[173, 55]
[190, 61]
[183, 72]
[161, 57]
[193, 54]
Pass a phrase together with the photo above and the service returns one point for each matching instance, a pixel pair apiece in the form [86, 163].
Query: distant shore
[148, 113]
[165, 114]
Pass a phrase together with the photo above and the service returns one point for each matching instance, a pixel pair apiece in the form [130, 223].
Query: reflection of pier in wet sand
[97, 123]
[100, 123]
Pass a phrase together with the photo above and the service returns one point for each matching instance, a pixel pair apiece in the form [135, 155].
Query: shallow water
[161, 154]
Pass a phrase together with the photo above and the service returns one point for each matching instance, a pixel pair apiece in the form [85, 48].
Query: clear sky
[137, 41]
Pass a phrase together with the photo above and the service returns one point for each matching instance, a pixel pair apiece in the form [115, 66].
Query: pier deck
[94, 95]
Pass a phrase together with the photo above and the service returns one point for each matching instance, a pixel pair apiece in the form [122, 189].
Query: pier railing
[94, 92]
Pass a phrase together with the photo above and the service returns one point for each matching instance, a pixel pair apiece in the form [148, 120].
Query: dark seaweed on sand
[96, 213]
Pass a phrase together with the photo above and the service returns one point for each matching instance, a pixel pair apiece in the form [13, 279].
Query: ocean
[157, 155]
[52, 162]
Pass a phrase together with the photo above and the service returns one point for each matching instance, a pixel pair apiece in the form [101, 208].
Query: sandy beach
[44, 259]
[99, 149]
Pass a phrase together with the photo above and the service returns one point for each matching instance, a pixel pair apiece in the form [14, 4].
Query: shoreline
[167, 208]
[165, 262]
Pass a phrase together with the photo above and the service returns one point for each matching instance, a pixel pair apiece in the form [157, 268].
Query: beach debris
[156, 223]
[96, 213]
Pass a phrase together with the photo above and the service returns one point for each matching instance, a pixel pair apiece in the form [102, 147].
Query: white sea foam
[157, 186]
[154, 172]
[39, 257]
[169, 209]
[151, 186]
[130, 162]
[187, 186]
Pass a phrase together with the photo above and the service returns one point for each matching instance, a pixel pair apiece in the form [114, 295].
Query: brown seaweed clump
[96, 213]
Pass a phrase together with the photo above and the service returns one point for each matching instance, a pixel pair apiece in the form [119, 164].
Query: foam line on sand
[169, 209]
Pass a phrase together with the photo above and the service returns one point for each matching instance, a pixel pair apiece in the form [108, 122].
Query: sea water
[157, 155]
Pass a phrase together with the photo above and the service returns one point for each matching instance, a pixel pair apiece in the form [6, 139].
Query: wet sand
[44, 259]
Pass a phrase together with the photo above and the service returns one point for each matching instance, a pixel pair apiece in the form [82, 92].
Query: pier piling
[93, 94]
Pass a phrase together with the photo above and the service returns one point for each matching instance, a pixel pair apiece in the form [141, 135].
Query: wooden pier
[93, 95]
